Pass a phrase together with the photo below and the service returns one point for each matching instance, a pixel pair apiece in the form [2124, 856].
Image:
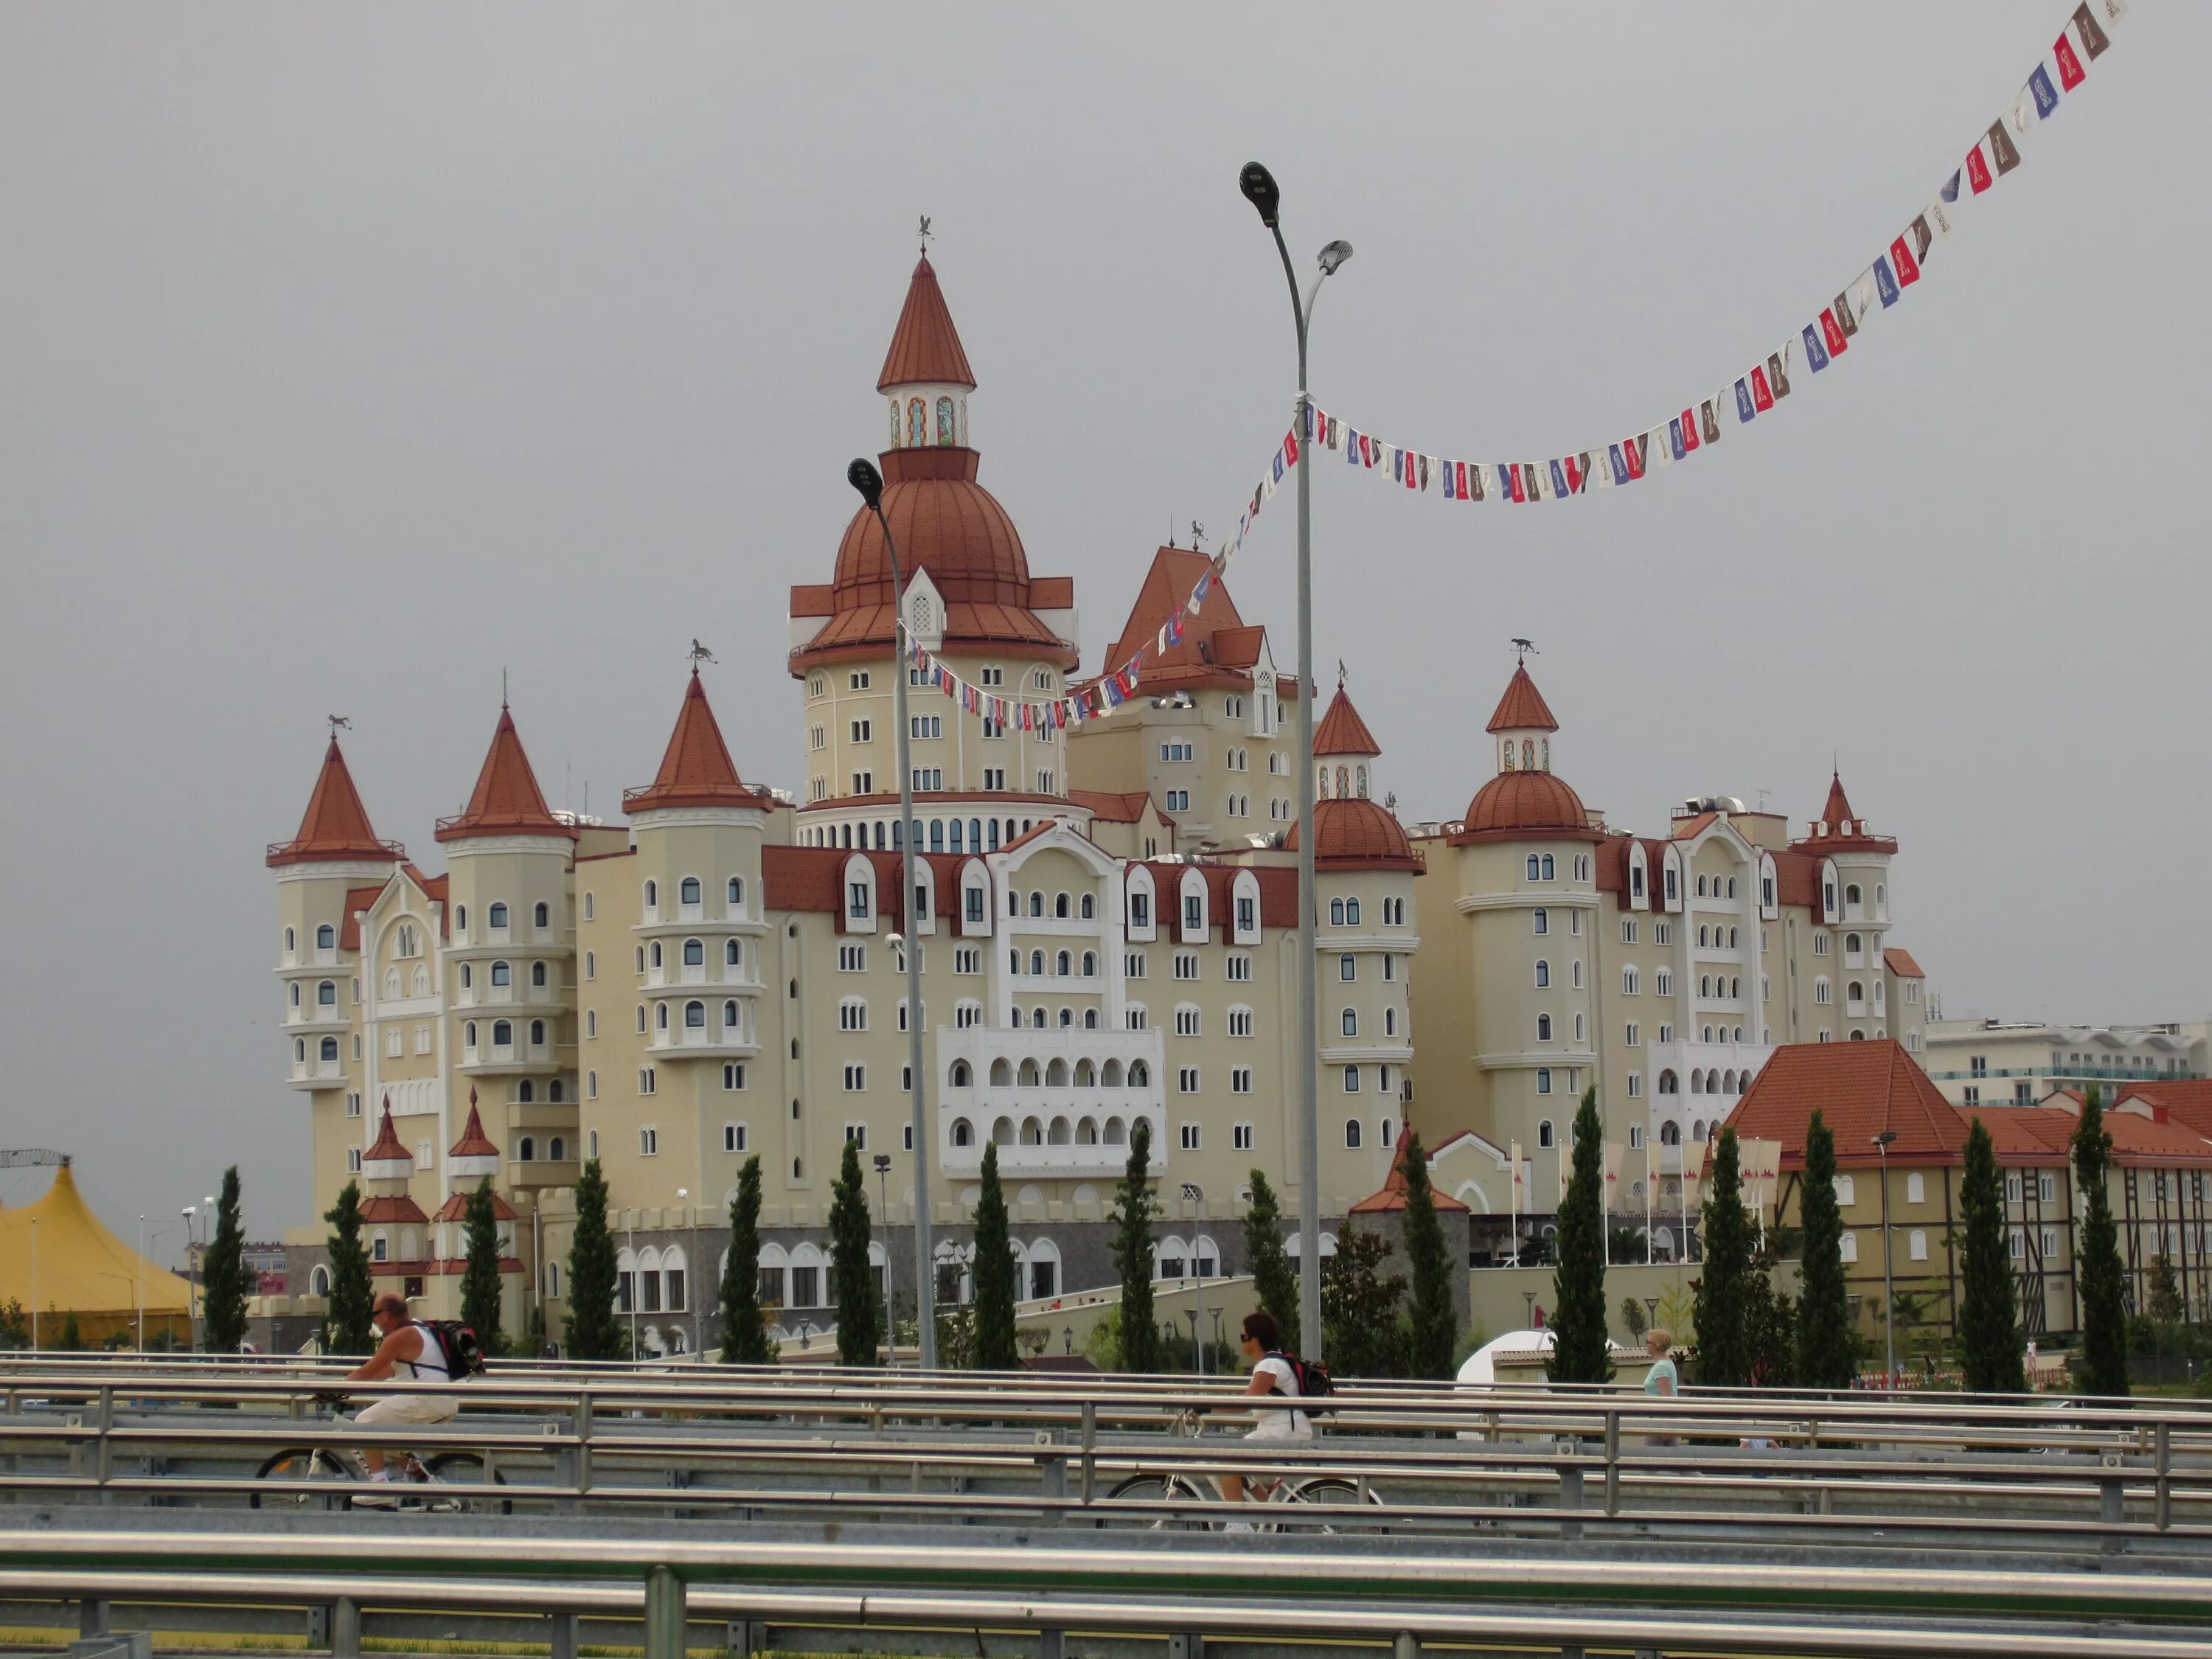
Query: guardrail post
[345, 1628]
[743, 1638]
[1052, 1645]
[664, 1614]
[94, 1617]
[1405, 1645]
[1570, 1499]
[2164, 1454]
[1188, 1645]
[319, 1627]
[572, 1465]
[2112, 1492]
[102, 1452]
[1611, 1467]
[563, 1638]
[1089, 1451]
[1052, 1482]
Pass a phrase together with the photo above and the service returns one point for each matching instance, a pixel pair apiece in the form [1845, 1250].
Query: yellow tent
[57, 1257]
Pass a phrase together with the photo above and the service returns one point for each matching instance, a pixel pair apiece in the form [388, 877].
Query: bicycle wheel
[1337, 1494]
[467, 1490]
[1158, 1489]
[301, 1465]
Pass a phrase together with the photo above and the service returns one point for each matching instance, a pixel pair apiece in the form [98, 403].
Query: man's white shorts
[409, 1408]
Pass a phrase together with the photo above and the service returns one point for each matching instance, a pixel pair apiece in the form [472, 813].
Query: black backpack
[458, 1345]
[1314, 1381]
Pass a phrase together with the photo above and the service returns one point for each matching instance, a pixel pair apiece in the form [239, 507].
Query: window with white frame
[856, 1077]
[1187, 1080]
[648, 1142]
[1240, 1080]
[1240, 1137]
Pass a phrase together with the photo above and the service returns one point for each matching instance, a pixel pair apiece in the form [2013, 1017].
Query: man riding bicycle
[408, 1350]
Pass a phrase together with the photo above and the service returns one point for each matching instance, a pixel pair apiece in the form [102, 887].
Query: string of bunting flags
[1102, 696]
[2086, 37]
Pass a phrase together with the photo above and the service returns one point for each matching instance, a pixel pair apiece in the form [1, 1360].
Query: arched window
[660, 1017]
[653, 896]
[1551, 868]
[1063, 964]
[468, 1035]
[963, 1134]
[1090, 959]
[1544, 1134]
[695, 952]
[496, 916]
[538, 973]
[502, 1034]
[1352, 1133]
[329, 1048]
[1036, 963]
[1140, 1074]
[687, 890]
[1061, 907]
[694, 1016]
[541, 916]
[502, 974]
[917, 423]
[1543, 1028]
[1089, 909]
[1535, 868]
[1036, 904]
[1540, 920]
[524, 1092]
[1350, 1022]
[961, 1075]
[526, 1149]
[734, 953]
[326, 995]
[1670, 1135]
[946, 433]
[733, 895]
[1670, 1084]
[1543, 975]
[730, 1015]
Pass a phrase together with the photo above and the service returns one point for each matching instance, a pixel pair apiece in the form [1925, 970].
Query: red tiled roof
[1690, 829]
[2187, 1100]
[814, 600]
[389, 1212]
[1836, 826]
[1341, 731]
[1112, 807]
[1523, 708]
[925, 346]
[1797, 879]
[696, 769]
[506, 801]
[1525, 806]
[386, 1148]
[357, 899]
[335, 826]
[1393, 1195]
[2044, 1131]
[1860, 1089]
[474, 1142]
[1838, 813]
[456, 1208]
[1900, 962]
[1168, 583]
[1052, 593]
[1357, 834]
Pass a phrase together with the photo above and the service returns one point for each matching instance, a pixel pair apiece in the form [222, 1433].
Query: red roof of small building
[456, 1208]
[695, 770]
[1393, 1195]
[506, 801]
[1217, 645]
[335, 826]
[1900, 962]
[1839, 829]
[1860, 1089]
[1341, 731]
[2187, 1100]
[386, 1148]
[388, 1211]
[1523, 708]
[1525, 806]
[1112, 807]
[474, 1142]
[926, 348]
[1357, 834]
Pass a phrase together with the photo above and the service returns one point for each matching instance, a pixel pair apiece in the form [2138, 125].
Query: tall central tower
[968, 597]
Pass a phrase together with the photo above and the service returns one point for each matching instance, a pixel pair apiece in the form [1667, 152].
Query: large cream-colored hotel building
[1106, 932]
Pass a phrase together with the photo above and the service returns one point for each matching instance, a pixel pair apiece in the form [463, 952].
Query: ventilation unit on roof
[1697, 804]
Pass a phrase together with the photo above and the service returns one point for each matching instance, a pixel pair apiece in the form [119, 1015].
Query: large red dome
[1353, 832]
[947, 524]
[1526, 806]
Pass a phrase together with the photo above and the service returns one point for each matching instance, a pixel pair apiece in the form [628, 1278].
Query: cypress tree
[1432, 1329]
[995, 1349]
[1269, 1262]
[592, 1330]
[223, 1273]
[480, 1290]
[852, 1276]
[744, 1332]
[1580, 1350]
[1363, 1326]
[1828, 1348]
[349, 1300]
[1134, 1210]
[2103, 1366]
[1991, 1350]
[1724, 1335]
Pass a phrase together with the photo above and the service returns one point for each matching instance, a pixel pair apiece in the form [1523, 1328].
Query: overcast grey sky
[347, 355]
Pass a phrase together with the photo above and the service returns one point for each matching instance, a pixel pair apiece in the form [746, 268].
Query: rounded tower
[967, 596]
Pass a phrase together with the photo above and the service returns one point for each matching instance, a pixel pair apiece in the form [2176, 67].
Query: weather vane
[1197, 534]
[925, 233]
[338, 723]
[1525, 649]
[1341, 674]
[698, 653]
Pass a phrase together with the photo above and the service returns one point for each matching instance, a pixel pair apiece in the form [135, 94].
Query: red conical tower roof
[925, 346]
[335, 826]
[473, 1143]
[387, 1151]
[506, 801]
[1393, 1195]
[696, 769]
[1837, 812]
[1341, 731]
[1523, 708]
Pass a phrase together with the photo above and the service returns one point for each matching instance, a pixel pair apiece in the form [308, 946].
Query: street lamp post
[1259, 189]
[1888, 1290]
[692, 1273]
[864, 477]
[196, 1264]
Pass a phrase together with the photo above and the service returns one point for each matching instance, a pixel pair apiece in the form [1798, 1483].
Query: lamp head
[1885, 1137]
[1261, 191]
[897, 941]
[883, 1163]
[863, 477]
[1333, 256]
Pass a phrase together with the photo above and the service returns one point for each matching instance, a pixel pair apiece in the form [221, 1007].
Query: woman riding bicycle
[1273, 1373]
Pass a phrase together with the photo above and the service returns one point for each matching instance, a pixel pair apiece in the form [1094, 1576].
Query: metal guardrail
[759, 1441]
